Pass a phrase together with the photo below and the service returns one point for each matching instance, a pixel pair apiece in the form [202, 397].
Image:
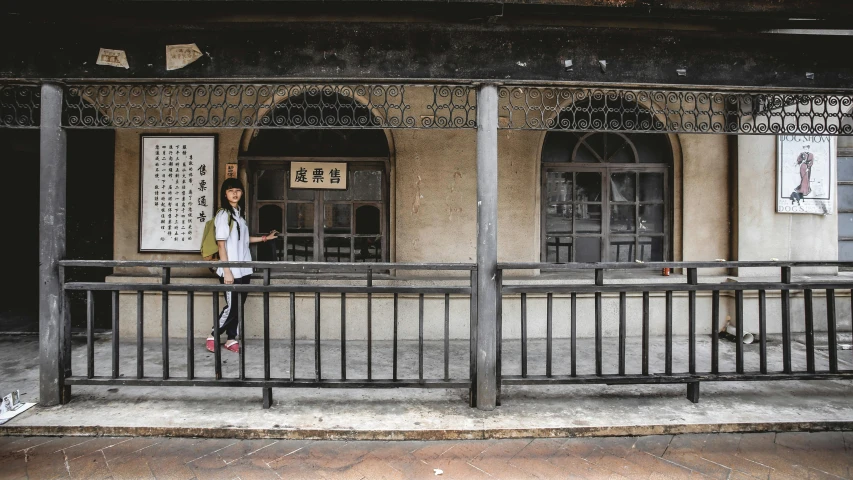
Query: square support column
[54, 330]
[487, 246]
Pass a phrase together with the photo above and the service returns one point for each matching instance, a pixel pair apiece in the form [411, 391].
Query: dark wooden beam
[414, 51]
[54, 325]
[656, 8]
[487, 247]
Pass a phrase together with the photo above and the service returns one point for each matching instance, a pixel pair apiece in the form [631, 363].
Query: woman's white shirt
[236, 246]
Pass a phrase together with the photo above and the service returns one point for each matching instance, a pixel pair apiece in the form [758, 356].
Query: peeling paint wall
[436, 215]
[705, 200]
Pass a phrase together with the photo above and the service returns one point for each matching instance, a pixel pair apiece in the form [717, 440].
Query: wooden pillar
[487, 245]
[54, 330]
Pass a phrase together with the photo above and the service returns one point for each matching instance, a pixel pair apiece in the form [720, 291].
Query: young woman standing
[232, 237]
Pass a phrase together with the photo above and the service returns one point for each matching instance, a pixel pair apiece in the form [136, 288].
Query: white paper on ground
[10, 414]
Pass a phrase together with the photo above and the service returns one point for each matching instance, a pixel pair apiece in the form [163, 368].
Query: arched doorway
[606, 197]
[318, 225]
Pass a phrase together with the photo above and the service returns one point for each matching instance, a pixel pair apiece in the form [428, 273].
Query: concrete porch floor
[395, 414]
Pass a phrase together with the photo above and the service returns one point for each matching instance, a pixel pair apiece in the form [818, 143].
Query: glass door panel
[558, 218]
[300, 249]
[651, 248]
[622, 218]
[337, 218]
[270, 184]
[558, 248]
[622, 249]
[588, 218]
[587, 249]
[558, 187]
[300, 217]
[368, 249]
[337, 249]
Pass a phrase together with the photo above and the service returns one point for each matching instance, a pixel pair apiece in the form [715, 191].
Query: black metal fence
[593, 286]
[571, 284]
[334, 285]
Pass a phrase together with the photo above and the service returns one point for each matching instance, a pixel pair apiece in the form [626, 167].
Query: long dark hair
[228, 184]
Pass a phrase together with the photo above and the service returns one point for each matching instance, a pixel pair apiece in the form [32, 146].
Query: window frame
[606, 169]
[845, 152]
[318, 235]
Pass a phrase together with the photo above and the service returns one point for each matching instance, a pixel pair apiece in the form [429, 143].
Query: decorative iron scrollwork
[675, 111]
[310, 105]
[262, 106]
[453, 106]
[19, 106]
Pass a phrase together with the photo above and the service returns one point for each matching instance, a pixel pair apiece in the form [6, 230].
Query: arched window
[606, 197]
[320, 225]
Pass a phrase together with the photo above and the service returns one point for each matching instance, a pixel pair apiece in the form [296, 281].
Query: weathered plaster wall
[764, 234]
[706, 199]
[518, 195]
[436, 196]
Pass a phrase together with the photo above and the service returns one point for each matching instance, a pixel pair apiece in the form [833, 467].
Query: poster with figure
[177, 191]
[804, 167]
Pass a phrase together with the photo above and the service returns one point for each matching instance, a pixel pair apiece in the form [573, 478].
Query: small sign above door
[318, 175]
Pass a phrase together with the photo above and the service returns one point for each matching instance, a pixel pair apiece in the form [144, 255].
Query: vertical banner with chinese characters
[177, 192]
[804, 174]
[318, 175]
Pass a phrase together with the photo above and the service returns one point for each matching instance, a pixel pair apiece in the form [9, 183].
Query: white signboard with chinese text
[177, 192]
[318, 175]
[804, 174]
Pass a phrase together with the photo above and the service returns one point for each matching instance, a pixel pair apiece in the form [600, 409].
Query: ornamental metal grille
[269, 106]
[19, 106]
[524, 107]
[674, 111]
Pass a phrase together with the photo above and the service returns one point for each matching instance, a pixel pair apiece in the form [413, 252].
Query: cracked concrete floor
[430, 414]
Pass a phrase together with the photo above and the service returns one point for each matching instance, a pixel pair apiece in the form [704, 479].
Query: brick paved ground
[723, 456]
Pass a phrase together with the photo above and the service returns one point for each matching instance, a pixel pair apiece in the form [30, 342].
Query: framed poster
[804, 174]
[177, 191]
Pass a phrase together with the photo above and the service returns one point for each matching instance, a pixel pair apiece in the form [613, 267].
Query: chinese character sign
[316, 175]
[804, 174]
[178, 192]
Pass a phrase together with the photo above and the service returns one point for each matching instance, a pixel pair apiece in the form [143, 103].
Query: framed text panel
[177, 191]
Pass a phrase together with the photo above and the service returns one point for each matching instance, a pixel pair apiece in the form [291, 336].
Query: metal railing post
[54, 329]
[487, 245]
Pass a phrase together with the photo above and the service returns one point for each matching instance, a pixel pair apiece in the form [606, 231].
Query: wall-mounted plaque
[318, 175]
[230, 170]
[178, 191]
[804, 174]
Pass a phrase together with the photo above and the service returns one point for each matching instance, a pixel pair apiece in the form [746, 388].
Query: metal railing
[669, 304]
[547, 286]
[359, 272]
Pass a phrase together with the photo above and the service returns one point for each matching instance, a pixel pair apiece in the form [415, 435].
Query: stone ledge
[448, 434]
